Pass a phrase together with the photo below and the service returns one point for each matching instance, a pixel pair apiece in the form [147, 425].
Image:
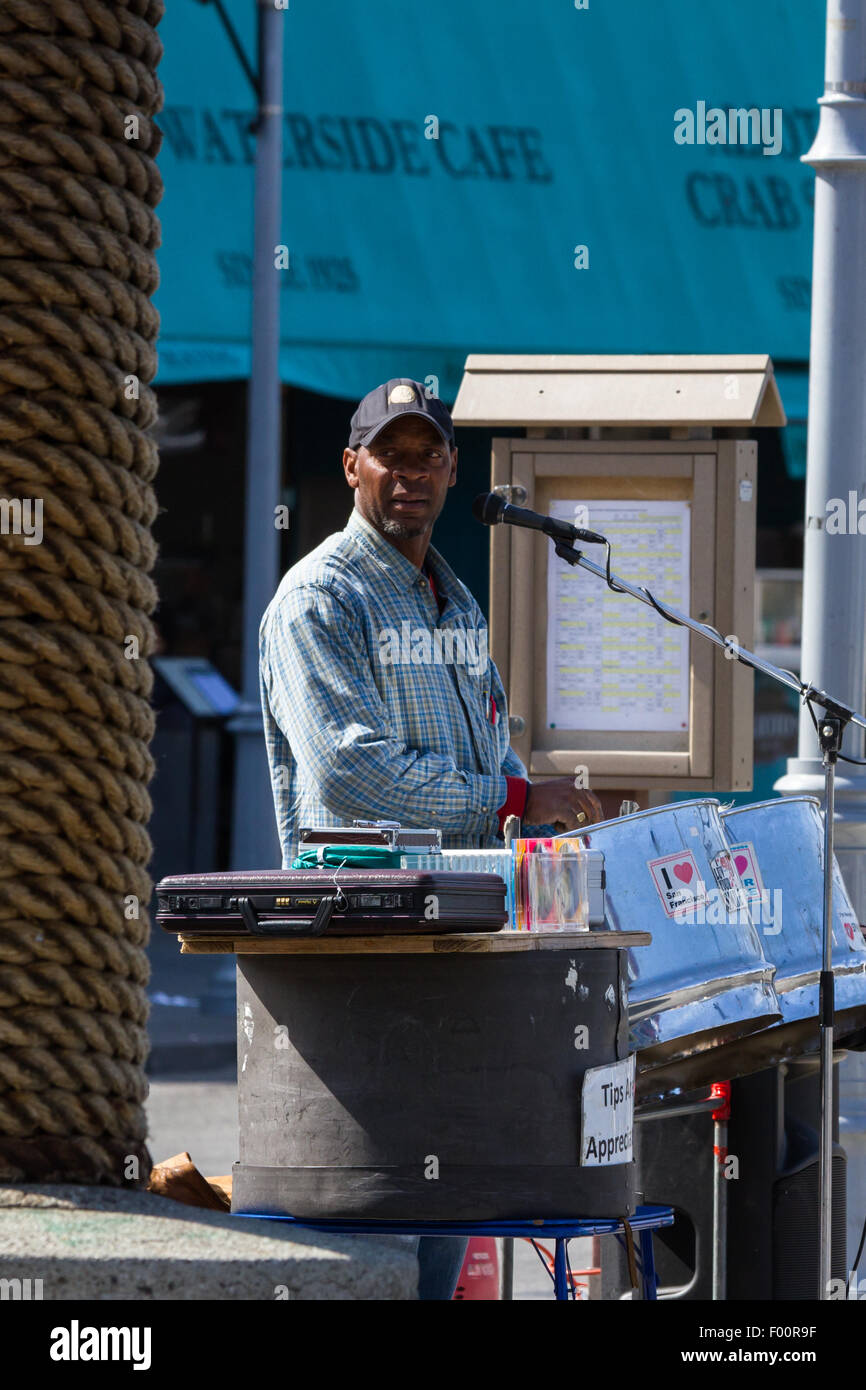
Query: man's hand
[560, 802]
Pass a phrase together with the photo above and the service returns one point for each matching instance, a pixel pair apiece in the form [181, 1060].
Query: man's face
[402, 479]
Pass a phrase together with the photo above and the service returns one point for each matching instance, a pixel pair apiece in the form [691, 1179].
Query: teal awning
[794, 389]
[555, 130]
[793, 386]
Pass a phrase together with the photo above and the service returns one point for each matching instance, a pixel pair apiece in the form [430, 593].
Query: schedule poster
[612, 663]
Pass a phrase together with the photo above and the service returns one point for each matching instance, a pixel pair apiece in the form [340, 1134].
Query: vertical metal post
[831, 734]
[561, 1289]
[506, 1280]
[720, 1141]
[834, 629]
[254, 836]
[720, 1091]
[649, 1281]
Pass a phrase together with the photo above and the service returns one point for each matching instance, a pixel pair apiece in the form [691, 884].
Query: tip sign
[607, 1114]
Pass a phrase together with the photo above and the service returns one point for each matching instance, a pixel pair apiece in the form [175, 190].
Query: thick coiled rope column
[78, 185]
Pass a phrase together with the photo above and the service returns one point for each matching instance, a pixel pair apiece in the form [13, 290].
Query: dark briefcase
[341, 902]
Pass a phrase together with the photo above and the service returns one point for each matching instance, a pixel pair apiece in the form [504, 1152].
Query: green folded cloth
[352, 856]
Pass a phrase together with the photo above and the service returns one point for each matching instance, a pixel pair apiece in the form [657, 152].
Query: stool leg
[507, 1278]
[560, 1282]
[648, 1266]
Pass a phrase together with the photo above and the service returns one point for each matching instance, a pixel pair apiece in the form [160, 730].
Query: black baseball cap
[400, 396]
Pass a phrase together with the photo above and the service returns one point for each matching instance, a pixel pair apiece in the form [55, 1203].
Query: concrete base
[109, 1243]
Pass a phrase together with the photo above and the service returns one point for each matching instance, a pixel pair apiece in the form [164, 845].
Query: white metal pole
[834, 621]
[834, 626]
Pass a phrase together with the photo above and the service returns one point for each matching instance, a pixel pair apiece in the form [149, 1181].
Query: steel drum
[778, 849]
[705, 981]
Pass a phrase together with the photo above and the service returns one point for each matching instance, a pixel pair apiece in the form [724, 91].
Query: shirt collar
[402, 571]
[386, 555]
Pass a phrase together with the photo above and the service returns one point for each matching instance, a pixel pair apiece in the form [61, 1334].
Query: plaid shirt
[375, 704]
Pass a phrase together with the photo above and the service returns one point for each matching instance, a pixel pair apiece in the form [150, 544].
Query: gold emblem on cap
[401, 395]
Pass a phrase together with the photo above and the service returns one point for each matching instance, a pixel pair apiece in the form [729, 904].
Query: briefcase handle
[313, 926]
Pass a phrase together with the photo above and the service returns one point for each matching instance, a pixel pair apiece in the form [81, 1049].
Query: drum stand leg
[560, 1279]
[648, 1267]
[507, 1278]
[721, 1091]
[830, 730]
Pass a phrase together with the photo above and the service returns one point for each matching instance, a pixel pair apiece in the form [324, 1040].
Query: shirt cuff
[515, 801]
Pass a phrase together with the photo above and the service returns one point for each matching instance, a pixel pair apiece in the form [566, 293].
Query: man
[379, 698]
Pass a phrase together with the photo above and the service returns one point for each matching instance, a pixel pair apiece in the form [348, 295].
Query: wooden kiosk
[653, 452]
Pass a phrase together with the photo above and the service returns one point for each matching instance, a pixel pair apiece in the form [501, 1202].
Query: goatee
[400, 530]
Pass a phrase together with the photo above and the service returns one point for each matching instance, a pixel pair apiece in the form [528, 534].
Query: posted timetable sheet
[612, 663]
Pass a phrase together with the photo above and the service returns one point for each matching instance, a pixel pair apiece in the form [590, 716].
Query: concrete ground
[70, 1242]
[197, 1112]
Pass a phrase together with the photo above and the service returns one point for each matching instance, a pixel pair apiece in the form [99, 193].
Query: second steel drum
[778, 849]
[705, 981]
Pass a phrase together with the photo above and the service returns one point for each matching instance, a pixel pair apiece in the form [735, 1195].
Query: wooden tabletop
[422, 944]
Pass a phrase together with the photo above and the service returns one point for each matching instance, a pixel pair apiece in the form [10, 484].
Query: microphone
[490, 509]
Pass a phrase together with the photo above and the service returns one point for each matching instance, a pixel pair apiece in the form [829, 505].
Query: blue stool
[645, 1220]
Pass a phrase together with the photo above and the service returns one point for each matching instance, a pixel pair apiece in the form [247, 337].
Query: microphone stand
[830, 730]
